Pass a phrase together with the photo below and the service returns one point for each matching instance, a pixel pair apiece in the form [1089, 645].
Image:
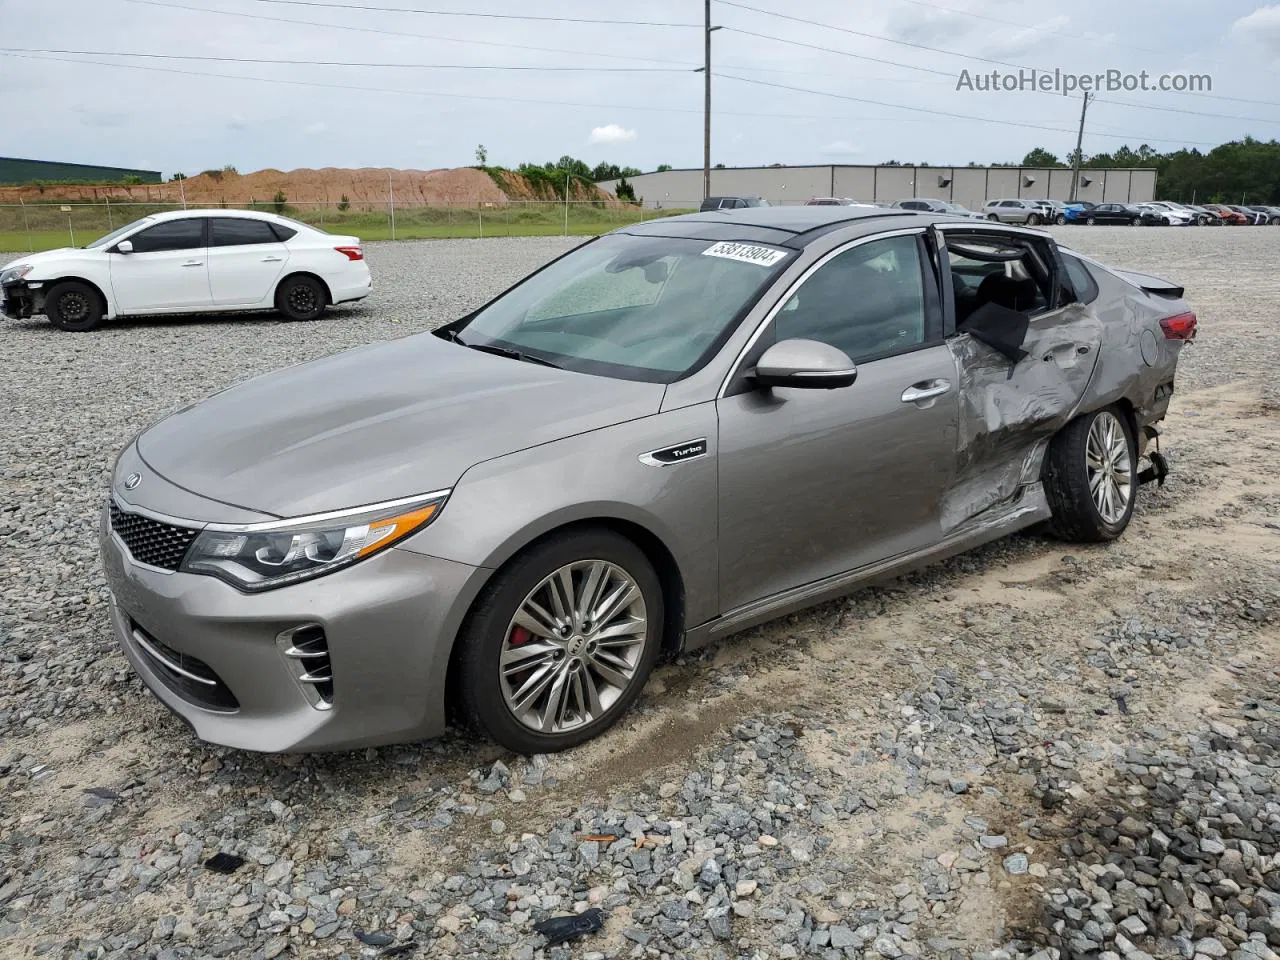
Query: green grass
[419, 223]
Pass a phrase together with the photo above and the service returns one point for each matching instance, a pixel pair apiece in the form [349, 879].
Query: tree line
[1242, 171]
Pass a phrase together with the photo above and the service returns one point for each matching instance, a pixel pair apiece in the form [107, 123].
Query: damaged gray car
[669, 434]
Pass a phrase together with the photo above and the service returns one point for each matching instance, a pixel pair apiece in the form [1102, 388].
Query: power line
[860, 33]
[401, 34]
[843, 53]
[930, 49]
[753, 114]
[333, 5]
[954, 116]
[343, 63]
[1194, 113]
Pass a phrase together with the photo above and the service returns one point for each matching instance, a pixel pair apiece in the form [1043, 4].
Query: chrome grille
[150, 541]
[308, 649]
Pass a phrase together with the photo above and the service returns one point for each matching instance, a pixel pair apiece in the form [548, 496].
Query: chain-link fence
[27, 226]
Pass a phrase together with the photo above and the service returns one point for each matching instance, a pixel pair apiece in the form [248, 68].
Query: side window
[170, 235]
[239, 231]
[867, 301]
[282, 232]
[1082, 282]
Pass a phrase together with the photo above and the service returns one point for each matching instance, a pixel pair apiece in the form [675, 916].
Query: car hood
[377, 423]
[42, 256]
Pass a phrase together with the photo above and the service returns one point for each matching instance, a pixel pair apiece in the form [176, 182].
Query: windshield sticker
[745, 253]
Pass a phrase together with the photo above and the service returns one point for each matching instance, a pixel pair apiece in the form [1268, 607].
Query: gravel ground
[1033, 750]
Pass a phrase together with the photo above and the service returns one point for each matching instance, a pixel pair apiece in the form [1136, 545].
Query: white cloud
[611, 133]
[841, 148]
[317, 128]
[1022, 40]
[1263, 25]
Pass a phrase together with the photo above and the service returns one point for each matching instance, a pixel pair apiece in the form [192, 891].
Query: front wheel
[1090, 477]
[1092, 221]
[74, 306]
[301, 298]
[1061, 220]
[561, 642]
[1033, 220]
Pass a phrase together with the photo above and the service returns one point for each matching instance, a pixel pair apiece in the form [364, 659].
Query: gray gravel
[1033, 750]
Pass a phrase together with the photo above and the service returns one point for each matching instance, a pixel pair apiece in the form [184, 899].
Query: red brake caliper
[519, 635]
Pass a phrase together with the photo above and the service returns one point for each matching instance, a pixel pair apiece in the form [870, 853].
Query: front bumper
[19, 300]
[388, 623]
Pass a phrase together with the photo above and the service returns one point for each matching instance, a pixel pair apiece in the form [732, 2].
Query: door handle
[925, 391]
[272, 259]
[194, 263]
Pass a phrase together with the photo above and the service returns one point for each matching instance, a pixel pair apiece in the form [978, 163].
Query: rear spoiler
[1161, 288]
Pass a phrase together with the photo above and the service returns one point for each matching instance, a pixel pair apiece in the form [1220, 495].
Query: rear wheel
[1092, 221]
[561, 643]
[994, 217]
[1090, 477]
[301, 298]
[1061, 219]
[1033, 220]
[74, 306]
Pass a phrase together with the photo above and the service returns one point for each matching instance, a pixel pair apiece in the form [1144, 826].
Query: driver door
[168, 269]
[814, 483]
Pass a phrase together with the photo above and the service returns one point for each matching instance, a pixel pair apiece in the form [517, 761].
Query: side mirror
[124, 246]
[806, 364]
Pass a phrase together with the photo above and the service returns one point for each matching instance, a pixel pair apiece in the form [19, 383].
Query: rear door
[1010, 408]
[817, 482]
[245, 261]
[167, 269]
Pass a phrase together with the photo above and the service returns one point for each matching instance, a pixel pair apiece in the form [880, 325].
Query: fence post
[480, 215]
[26, 224]
[110, 222]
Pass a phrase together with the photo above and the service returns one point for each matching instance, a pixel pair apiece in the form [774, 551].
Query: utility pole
[706, 100]
[391, 203]
[1075, 160]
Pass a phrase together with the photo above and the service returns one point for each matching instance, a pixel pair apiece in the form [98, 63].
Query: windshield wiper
[503, 352]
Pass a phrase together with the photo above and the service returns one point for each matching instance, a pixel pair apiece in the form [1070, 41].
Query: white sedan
[189, 261]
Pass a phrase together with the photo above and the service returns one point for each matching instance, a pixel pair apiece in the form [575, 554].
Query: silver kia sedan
[671, 433]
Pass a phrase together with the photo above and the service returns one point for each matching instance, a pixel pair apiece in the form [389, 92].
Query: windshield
[116, 234]
[638, 308]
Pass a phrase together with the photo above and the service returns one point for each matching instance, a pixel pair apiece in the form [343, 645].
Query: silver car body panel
[789, 496]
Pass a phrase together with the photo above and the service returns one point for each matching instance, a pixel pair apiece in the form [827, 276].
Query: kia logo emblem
[132, 480]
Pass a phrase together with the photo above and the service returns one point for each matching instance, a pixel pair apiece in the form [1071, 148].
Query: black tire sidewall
[1075, 515]
[54, 314]
[282, 297]
[480, 693]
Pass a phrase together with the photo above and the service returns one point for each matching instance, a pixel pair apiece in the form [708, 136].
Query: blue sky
[408, 116]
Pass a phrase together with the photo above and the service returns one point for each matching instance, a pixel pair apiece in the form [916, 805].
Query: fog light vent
[307, 649]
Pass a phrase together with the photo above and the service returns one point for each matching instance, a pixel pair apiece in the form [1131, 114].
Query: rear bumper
[354, 284]
[388, 624]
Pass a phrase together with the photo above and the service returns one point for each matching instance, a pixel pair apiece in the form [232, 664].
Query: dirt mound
[362, 186]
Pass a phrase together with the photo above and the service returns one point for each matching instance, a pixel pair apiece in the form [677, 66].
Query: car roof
[794, 226]
[214, 212]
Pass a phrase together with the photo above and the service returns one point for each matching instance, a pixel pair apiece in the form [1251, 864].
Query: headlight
[261, 556]
[15, 273]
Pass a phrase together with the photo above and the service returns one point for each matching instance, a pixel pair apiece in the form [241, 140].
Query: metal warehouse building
[14, 170]
[968, 186]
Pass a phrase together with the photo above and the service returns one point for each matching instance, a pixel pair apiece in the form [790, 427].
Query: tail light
[351, 253]
[1180, 327]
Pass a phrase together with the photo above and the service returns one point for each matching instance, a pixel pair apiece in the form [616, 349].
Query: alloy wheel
[1109, 468]
[302, 299]
[573, 647]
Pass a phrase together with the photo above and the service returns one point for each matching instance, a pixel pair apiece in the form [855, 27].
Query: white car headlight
[261, 556]
[14, 273]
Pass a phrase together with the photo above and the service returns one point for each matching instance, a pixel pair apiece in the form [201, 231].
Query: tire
[301, 297]
[1069, 477]
[74, 306]
[1061, 220]
[1033, 220]
[1092, 221]
[993, 217]
[490, 703]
